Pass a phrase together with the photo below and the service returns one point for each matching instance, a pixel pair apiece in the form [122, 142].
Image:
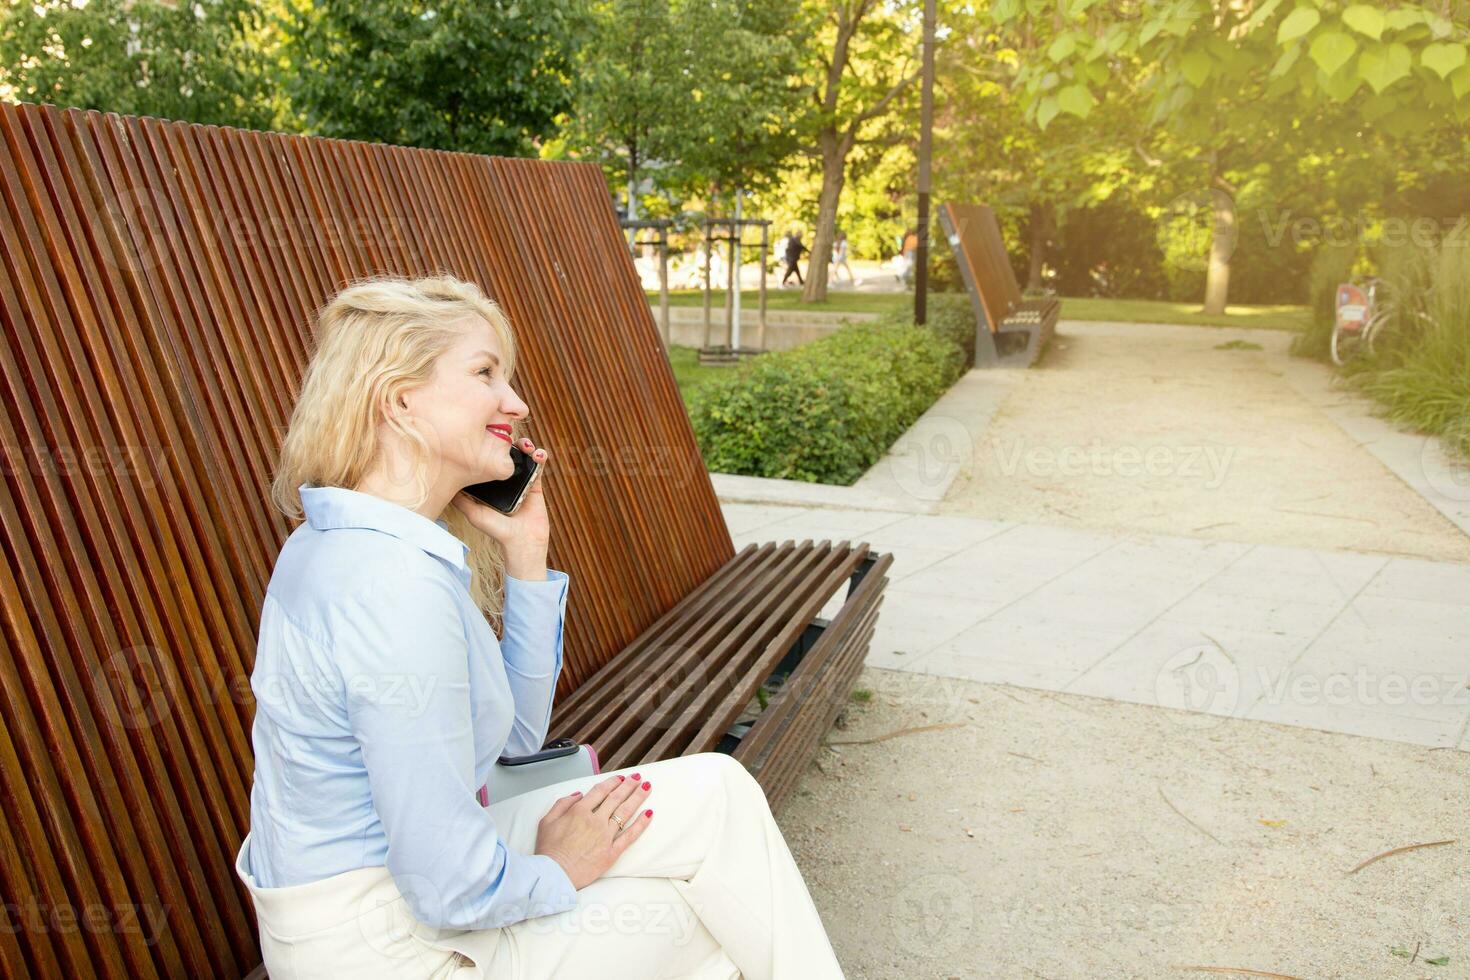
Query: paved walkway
[1348, 635]
[1363, 644]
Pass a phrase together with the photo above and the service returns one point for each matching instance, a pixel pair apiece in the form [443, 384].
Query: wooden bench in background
[159, 283]
[1009, 330]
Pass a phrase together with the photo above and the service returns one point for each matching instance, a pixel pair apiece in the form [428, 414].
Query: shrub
[951, 316]
[1420, 371]
[826, 412]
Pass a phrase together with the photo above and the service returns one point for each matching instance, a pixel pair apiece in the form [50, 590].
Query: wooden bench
[158, 289]
[1009, 330]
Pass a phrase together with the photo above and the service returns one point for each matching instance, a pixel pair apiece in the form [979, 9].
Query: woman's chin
[495, 470]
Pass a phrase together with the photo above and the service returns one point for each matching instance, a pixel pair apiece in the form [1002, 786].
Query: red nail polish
[635, 775]
[620, 777]
[648, 813]
[646, 785]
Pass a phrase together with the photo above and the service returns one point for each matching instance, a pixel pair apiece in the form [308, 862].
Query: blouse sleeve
[404, 657]
[534, 616]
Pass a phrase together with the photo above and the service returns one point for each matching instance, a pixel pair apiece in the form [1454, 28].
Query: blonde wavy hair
[375, 338]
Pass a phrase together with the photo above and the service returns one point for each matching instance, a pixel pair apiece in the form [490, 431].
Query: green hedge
[827, 411]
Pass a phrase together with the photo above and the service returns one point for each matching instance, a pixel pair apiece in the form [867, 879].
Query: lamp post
[926, 144]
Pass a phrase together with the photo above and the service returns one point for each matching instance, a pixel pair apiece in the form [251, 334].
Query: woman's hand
[525, 534]
[579, 834]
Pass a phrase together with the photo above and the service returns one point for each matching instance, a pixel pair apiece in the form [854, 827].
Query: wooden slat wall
[981, 249]
[158, 285]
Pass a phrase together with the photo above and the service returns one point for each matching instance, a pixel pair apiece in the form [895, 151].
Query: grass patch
[790, 299]
[689, 374]
[1238, 345]
[1283, 317]
[861, 695]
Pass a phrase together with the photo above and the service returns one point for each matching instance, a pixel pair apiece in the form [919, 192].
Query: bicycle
[1357, 320]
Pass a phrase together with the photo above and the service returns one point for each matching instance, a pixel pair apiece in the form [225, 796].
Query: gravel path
[1057, 835]
[1139, 427]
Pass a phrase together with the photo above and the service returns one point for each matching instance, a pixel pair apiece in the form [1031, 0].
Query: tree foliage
[692, 93]
[198, 61]
[1257, 57]
[482, 76]
[864, 65]
[1230, 97]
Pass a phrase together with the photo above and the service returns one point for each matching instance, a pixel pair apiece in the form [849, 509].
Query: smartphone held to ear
[506, 495]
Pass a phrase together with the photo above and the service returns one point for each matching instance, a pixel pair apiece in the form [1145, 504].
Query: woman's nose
[513, 406]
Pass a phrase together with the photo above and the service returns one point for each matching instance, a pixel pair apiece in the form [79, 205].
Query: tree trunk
[632, 190]
[1041, 224]
[834, 175]
[1222, 242]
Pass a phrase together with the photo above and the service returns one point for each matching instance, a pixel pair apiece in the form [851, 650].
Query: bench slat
[800, 605]
[779, 746]
[687, 617]
[712, 675]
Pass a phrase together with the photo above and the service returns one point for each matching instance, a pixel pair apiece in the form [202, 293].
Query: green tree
[481, 76]
[987, 151]
[1225, 80]
[739, 124]
[864, 59]
[693, 93]
[201, 62]
[624, 87]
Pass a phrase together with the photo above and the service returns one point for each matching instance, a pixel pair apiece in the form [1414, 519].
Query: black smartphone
[506, 495]
[554, 749]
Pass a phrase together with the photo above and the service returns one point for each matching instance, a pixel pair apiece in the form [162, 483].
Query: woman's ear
[395, 404]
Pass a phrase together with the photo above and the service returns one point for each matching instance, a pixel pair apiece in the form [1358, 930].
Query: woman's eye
[487, 371]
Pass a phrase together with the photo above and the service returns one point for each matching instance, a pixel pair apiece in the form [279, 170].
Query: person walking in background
[794, 250]
[839, 257]
[910, 254]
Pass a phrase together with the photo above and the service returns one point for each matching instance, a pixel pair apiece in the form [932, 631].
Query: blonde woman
[383, 698]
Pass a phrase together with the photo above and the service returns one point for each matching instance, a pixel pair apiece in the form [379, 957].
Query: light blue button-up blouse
[383, 698]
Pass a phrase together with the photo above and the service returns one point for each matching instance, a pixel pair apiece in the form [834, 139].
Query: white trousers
[710, 891]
